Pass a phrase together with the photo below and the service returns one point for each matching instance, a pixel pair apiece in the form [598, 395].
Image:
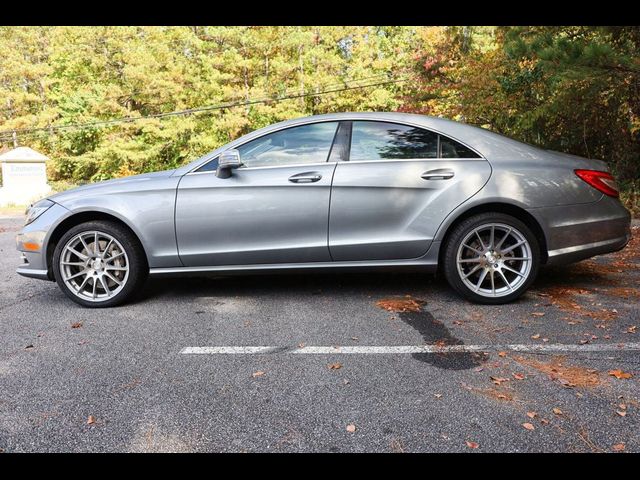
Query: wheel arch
[500, 207]
[81, 217]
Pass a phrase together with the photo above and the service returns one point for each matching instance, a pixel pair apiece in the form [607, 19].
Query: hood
[143, 181]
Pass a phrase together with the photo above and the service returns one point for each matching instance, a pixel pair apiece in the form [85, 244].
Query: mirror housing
[227, 161]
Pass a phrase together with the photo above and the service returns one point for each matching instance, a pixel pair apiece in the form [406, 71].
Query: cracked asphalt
[73, 379]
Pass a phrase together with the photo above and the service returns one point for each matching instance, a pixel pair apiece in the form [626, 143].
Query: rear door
[398, 185]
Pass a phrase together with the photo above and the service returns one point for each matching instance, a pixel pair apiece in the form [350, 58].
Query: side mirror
[227, 161]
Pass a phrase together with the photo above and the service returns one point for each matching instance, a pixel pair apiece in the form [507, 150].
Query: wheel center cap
[96, 264]
[490, 257]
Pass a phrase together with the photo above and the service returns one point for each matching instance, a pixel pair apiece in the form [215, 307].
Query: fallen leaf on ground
[502, 354]
[91, 420]
[632, 329]
[334, 366]
[528, 426]
[437, 395]
[399, 305]
[536, 336]
[351, 428]
[76, 325]
[259, 373]
[621, 413]
[498, 380]
[472, 444]
[531, 414]
[537, 314]
[619, 374]
[618, 447]
[28, 346]
[544, 421]
[568, 376]
[557, 411]
[519, 376]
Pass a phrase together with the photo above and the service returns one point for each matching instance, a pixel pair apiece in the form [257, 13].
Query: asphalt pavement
[556, 371]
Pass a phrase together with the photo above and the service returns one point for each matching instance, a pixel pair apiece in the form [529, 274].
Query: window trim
[438, 153]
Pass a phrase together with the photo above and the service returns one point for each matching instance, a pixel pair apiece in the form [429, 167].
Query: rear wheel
[491, 258]
[99, 264]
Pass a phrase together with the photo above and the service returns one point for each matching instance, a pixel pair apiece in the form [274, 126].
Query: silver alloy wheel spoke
[487, 268]
[85, 270]
[482, 277]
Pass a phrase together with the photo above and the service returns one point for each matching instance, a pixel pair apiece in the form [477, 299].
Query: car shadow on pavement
[369, 283]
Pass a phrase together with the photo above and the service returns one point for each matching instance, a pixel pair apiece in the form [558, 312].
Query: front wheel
[99, 264]
[491, 258]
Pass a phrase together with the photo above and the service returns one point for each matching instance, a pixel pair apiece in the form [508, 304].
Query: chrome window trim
[350, 119]
[297, 165]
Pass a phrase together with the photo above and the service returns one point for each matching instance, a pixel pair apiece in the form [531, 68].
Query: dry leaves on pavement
[259, 373]
[528, 426]
[334, 366]
[619, 374]
[472, 444]
[351, 428]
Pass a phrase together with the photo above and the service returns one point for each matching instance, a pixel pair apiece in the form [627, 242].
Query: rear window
[372, 140]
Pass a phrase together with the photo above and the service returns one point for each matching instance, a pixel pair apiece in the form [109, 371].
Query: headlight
[37, 209]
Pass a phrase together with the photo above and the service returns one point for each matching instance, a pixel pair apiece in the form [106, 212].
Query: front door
[273, 209]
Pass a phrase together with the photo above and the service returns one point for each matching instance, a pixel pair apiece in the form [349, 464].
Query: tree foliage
[570, 88]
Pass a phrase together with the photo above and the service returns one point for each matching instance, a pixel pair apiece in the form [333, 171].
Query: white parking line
[405, 349]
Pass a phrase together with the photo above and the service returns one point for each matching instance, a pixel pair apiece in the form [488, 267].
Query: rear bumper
[576, 232]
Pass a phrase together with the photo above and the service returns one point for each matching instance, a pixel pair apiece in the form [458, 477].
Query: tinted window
[380, 140]
[452, 149]
[305, 144]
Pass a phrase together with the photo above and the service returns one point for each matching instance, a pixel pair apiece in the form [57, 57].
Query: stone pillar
[24, 177]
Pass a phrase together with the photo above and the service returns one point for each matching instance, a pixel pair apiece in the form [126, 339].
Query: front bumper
[577, 232]
[32, 242]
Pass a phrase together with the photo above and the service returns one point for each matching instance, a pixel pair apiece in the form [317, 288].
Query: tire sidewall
[135, 255]
[451, 250]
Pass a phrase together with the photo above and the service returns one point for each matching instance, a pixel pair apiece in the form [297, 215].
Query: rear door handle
[438, 174]
[305, 177]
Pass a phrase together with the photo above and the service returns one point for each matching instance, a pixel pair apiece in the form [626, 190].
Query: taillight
[602, 181]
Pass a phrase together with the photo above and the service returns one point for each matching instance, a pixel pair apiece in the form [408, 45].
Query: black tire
[137, 262]
[464, 228]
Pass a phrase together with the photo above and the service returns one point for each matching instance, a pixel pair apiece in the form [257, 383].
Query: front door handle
[438, 174]
[306, 177]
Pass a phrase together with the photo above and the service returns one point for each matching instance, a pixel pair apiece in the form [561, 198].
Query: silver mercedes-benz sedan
[341, 191]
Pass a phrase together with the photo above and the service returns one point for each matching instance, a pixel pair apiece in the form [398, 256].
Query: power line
[101, 123]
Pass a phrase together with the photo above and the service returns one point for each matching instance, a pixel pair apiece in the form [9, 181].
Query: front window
[296, 145]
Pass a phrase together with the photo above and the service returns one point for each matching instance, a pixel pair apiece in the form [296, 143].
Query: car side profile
[336, 191]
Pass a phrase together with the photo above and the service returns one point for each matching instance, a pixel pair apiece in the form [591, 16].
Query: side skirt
[426, 263]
